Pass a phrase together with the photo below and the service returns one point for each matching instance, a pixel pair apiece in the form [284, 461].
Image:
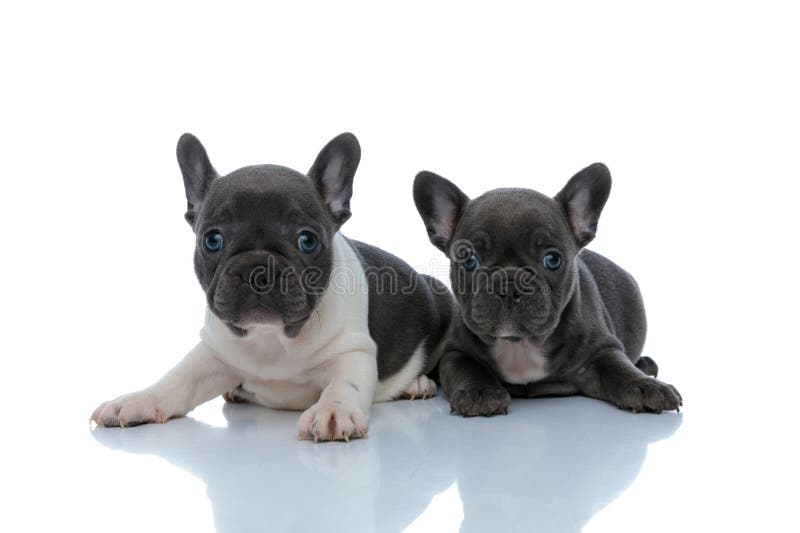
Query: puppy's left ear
[333, 172]
[197, 173]
[583, 198]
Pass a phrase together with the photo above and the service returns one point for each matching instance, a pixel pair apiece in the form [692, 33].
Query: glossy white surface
[551, 463]
[561, 464]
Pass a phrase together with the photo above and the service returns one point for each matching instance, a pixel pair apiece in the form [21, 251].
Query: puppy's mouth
[510, 338]
[244, 309]
[509, 332]
[500, 325]
[266, 320]
[260, 315]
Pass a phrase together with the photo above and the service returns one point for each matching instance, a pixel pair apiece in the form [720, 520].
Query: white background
[692, 105]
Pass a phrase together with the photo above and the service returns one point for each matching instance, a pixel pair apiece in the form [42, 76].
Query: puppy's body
[298, 317]
[290, 372]
[532, 367]
[540, 315]
[409, 313]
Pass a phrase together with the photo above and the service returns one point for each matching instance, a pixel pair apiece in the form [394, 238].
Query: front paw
[487, 401]
[331, 420]
[421, 387]
[649, 394]
[130, 410]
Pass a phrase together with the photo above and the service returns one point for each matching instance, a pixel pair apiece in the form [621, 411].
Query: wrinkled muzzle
[510, 303]
[259, 287]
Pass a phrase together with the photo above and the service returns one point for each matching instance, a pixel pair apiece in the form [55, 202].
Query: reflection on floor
[552, 463]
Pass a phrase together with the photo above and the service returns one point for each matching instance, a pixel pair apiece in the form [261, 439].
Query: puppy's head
[512, 251]
[264, 234]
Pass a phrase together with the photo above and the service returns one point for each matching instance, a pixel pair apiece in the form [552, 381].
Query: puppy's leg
[342, 411]
[471, 388]
[612, 377]
[199, 377]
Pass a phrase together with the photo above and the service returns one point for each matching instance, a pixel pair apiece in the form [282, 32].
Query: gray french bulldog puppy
[299, 316]
[540, 314]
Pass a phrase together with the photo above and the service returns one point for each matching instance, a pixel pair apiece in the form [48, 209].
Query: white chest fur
[519, 362]
[290, 372]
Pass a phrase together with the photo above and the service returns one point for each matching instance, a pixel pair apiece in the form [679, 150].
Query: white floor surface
[560, 464]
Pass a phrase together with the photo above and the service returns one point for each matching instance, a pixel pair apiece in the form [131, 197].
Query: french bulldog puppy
[540, 314]
[298, 317]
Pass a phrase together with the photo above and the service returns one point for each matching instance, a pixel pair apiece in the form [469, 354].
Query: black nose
[261, 278]
[512, 296]
[510, 293]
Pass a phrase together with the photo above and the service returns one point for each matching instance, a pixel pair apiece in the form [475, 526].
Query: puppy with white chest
[540, 315]
[299, 317]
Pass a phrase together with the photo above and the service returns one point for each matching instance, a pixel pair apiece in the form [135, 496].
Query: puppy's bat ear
[440, 204]
[583, 198]
[333, 172]
[197, 173]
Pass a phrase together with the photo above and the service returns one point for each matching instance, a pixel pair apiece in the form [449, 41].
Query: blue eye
[552, 260]
[307, 242]
[471, 262]
[213, 241]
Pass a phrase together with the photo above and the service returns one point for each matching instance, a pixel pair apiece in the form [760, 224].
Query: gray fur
[260, 212]
[587, 317]
[405, 307]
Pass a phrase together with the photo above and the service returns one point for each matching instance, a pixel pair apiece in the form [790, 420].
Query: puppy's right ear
[440, 204]
[583, 198]
[197, 173]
